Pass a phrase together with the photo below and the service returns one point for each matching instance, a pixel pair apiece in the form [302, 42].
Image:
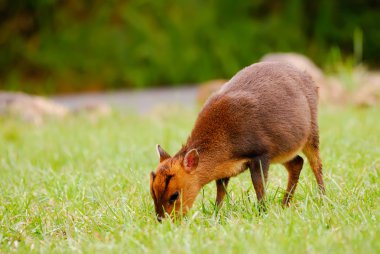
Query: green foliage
[50, 45]
[83, 186]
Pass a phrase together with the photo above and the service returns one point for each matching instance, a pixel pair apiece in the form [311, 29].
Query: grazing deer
[267, 113]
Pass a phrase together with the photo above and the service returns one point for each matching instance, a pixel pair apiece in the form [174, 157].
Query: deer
[265, 114]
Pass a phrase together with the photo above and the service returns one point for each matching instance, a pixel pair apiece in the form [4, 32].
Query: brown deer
[267, 113]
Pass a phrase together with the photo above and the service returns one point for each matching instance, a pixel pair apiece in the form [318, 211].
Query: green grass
[82, 186]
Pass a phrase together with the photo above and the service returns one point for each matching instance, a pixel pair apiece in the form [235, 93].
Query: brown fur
[267, 113]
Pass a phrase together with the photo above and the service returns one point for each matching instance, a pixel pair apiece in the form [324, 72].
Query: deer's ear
[162, 154]
[152, 176]
[190, 162]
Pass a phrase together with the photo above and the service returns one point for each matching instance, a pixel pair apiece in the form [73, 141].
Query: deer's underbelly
[289, 155]
[231, 168]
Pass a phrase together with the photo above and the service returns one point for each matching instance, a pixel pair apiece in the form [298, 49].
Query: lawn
[79, 185]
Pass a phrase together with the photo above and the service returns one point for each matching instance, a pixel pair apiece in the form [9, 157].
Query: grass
[82, 186]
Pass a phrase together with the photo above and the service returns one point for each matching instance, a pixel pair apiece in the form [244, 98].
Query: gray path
[140, 101]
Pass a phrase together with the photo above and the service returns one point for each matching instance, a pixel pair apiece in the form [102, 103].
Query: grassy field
[82, 186]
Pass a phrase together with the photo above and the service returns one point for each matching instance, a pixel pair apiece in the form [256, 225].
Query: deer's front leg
[259, 174]
[221, 190]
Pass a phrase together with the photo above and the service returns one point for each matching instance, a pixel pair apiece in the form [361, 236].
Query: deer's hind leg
[294, 168]
[311, 150]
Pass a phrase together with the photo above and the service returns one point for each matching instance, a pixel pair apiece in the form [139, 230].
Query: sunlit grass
[82, 186]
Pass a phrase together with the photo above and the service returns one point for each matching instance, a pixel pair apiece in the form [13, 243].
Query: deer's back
[265, 108]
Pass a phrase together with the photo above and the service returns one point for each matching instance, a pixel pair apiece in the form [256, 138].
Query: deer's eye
[174, 197]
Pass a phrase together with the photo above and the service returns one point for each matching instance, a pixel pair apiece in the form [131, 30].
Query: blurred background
[52, 46]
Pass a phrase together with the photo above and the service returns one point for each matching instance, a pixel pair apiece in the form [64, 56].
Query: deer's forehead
[161, 185]
[159, 181]
[166, 172]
